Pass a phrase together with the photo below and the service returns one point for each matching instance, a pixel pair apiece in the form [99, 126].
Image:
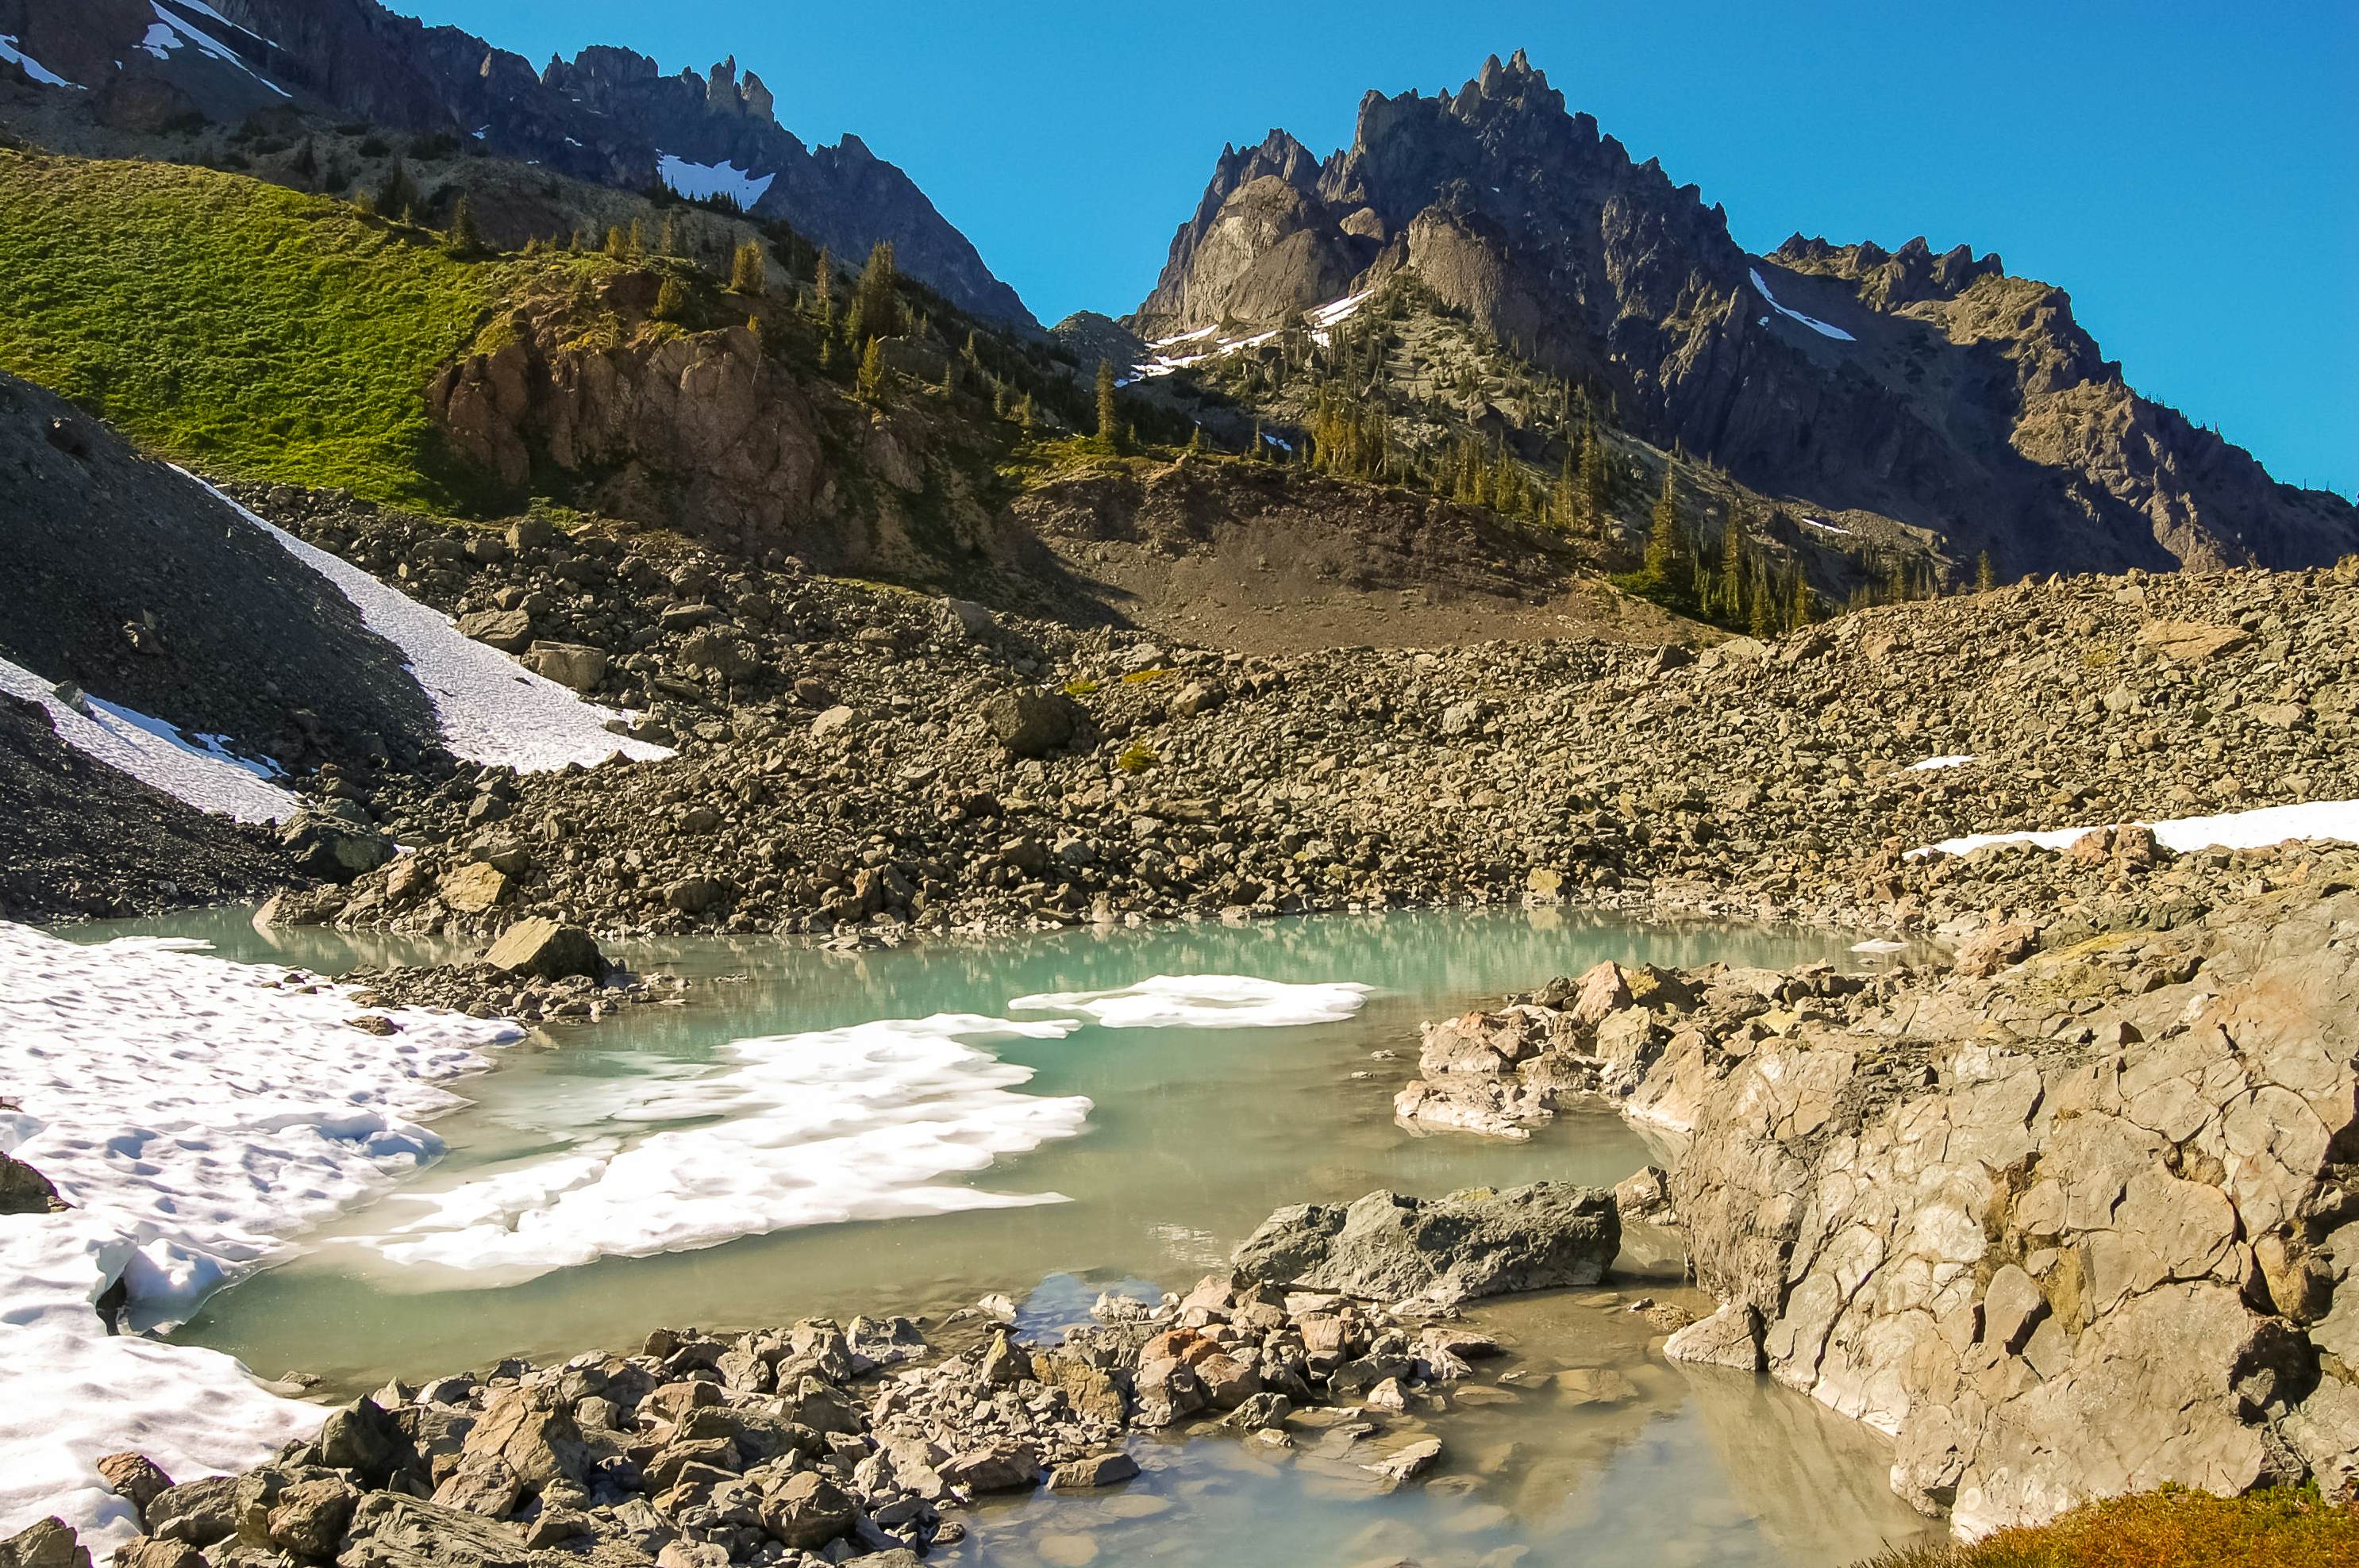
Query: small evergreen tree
[1596, 482]
[618, 245]
[466, 239]
[1667, 545]
[749, 274]
[638, 239]
[668, 237]
[396, 197]
[1804, 609]
[1985, 573]
[671, 299]
[824, 288]
[1109, 406]
[870, 386]
[1025, 414]
[876, 300]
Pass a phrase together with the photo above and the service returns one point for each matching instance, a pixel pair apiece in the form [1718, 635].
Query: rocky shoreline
[1337, 1332]
[2068, 1216]
[859, 763]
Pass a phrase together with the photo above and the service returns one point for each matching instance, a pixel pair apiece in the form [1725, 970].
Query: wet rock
[807, 1511]
[1096, 1470]
[1481, 1242]
[195, 1513]
[133, 1476]
[309, 1518]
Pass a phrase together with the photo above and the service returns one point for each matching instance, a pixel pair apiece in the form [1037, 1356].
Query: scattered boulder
[542, 949]
[1031, 723]
[510, 630]
[573, 664]
[24, 1190]
[1480, 1242]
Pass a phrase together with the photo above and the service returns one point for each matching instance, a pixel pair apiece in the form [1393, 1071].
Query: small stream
[915, 1169]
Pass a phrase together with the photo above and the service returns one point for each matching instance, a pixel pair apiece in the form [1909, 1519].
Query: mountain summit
[1936, 390]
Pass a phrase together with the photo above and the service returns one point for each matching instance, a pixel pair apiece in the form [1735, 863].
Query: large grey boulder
[1031, 723]
[1482, 1242]
[332, 850]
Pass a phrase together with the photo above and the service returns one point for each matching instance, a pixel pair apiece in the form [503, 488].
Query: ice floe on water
[195, 1112]
[202, 773]
[1823, 329]
[1207, 1002]
[861, 1123]
[492, 709]
[701, 181]
[2255, 830]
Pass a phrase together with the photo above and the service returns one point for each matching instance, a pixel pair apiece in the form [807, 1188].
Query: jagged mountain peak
[1932, 388]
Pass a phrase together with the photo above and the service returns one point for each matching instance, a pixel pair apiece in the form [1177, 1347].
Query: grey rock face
[2065, 1221]
[1385, 1247]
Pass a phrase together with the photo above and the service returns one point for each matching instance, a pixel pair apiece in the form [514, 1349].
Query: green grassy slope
[260, 332]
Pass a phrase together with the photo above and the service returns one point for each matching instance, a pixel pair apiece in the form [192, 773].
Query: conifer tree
[1985, 573]
[749, 274]
[396, 195]
[1666, 551]
[871, 384]
[637, 243]
[824, 288]
[876, 300]
[618, 245]
[668, 237]
[1596, 482]
[1805, 606]
[671, 299]
[466, 239]
[1109, 410]
[1025, 414]
[1734, 549]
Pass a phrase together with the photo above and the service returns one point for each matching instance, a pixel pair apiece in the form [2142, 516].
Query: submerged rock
[1481, 1242]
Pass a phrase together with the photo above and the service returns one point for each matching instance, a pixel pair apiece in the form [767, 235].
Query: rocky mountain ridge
[609, 115]
[1936, 391]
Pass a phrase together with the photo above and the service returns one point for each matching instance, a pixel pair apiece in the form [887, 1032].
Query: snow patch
[700, 181]
[492, 709]
[1340, 311]
[1935, 764]
[169, 32]
[859, 1123]
[1207, 1002]
[10, 53]
[1199, 334]
[2256, 829]
[204, 774]
[1812, 322]
[195, 1112]
[1823, 527]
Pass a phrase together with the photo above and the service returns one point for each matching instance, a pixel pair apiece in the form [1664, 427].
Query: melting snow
[1825, 527]
[203, 772]
[817, 1129]
[700, 180]
[33, 68]
[1183, 338]
[1812, 322]
[1340, 311]
[492, 709]
[2337, 819]
[1206, 1002]
[195, 1112]
[168, 33]
[1935, 764]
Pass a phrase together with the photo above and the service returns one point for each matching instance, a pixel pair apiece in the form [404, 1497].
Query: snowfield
[1761, 288]
[2333, 819]
[204, 774]
[492, 709]
[701, 181]
[196, 1113]
[169, 32]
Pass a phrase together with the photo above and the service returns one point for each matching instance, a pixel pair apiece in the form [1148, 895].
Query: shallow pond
[824, 1152]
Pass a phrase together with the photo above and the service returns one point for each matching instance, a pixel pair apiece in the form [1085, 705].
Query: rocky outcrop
[1388, 1247]
[1936, 391]
[2064, 1223]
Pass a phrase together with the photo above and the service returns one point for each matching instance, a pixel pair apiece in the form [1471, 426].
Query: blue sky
[2188, 172]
